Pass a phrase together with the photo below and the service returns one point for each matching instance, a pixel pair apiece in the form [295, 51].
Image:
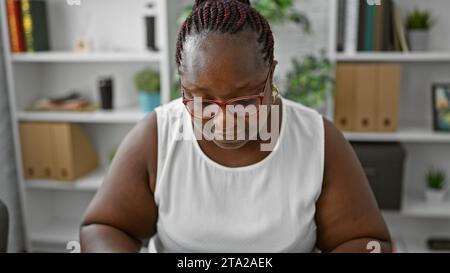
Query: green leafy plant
[275, 11]
[280, 11]
[147, 80]
[419, 19]
[310, 80]
[435, 179]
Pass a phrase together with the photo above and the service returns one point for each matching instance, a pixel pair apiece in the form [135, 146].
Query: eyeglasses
[244, 106]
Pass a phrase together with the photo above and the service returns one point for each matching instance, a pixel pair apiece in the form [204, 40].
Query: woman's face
[222, 67]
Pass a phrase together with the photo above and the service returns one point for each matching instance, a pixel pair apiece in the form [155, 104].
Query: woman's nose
[220, 119]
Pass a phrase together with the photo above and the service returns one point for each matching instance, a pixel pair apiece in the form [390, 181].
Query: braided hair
[226, 16]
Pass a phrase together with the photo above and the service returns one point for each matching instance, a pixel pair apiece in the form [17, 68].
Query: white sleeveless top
[265, 207]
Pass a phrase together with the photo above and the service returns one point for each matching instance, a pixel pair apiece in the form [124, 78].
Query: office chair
[4, 225]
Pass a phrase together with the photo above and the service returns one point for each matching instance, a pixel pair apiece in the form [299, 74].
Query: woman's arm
[347, 214]
[123, 212]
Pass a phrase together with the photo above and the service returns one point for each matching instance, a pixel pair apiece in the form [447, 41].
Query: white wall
[291, 42]
[68, 22]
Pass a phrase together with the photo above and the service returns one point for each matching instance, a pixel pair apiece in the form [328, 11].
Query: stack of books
[368, 26]
[70, 102]
[27, 23]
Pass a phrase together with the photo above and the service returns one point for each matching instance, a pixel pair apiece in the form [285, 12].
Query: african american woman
[183, 177]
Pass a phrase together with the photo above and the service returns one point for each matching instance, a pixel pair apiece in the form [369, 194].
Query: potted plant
[418, 24]
[147, 83]
[310, 81]
[435, 191]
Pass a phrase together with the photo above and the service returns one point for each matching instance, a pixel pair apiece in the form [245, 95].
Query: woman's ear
[273, 88]
[274, 65]
[272, 73]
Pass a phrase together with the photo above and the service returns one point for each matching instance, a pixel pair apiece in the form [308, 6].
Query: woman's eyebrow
[249, 84]
[195, 88]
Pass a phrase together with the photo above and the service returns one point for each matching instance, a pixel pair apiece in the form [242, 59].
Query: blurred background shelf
[418, 206]
[68, 57]
[90, 182]
[405, 135]
[58, 232]
[124, 115]
[394, 57]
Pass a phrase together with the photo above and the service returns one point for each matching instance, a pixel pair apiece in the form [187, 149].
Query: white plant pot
[418, 40]
[435, 197]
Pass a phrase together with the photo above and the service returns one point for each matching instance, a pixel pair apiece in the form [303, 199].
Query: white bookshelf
[417, 206]
[90, 182]
[52, 210]
[405, 135]
[72, 57]
[417, 220]
[399, 57]
[124, 115]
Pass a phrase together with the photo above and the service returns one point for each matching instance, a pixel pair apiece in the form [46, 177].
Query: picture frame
[441, 107]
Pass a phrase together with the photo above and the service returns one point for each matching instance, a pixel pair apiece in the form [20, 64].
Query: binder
[378, 33]
[29, 155]
[365, 97]
[73, 151]
[36, 150]
[344, 96]
[399, 29]
[361, 25]
[388, 97]
[56, 151]
[388, 43]
[15, 26]
[61, 152]
[369, 27]
[35, 25]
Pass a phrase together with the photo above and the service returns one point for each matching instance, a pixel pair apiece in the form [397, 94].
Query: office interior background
[77, 78]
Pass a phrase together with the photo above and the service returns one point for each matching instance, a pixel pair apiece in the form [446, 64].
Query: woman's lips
[228, 141]
[229, 136]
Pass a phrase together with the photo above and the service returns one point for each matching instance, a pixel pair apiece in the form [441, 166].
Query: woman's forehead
[221, 55]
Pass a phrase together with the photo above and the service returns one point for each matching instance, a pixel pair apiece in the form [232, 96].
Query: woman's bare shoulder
[145, 135]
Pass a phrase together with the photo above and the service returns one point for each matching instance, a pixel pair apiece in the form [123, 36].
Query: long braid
[226, 16]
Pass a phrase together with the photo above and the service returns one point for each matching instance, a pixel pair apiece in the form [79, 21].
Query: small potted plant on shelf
[147, 83]
[436, 181]
[418, 24]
